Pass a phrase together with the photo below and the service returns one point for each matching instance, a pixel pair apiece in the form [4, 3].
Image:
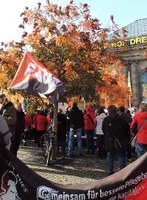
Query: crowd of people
[106, 135]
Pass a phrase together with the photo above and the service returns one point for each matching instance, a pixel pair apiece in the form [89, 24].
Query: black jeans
[101, 146]
[90, 141]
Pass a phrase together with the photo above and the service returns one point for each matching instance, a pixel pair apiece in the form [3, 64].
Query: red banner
[21, 183]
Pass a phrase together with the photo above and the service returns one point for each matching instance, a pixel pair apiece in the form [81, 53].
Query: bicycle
[47, 142]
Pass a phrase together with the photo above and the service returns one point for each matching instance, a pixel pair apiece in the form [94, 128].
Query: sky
[124, 12]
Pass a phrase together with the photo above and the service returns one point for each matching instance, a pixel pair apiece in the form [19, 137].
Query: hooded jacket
[89, 119]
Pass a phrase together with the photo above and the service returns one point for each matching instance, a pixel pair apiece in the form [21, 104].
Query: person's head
[60, 110]
[143, 107]
[41, 112]
[45, 107]
[128, 112]
[112, 109]
[101, 110]
[75, 104]
[18, 107]
[2, 98]
[121, 109]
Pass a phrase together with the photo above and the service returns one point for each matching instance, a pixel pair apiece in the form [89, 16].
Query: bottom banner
[18, 182]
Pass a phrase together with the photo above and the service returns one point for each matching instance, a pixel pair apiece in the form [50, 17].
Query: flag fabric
[21, 183]
[34, 78]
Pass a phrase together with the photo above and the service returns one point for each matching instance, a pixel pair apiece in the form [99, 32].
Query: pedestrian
[27, 130]
[67, 124]
[76, 121]
[5, 133]
[100, 115]
[34, 126]
[128, 118]
[89, 127]
[8, 111]
[49, 121]
[20, 125]
[61, 132]
[5, 142]
[41, 125]
[115, 130]
[139, 128]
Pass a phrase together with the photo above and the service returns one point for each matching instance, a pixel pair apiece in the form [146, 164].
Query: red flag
[33, 77]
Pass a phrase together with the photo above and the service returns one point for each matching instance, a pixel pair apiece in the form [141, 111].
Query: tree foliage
[69, 42]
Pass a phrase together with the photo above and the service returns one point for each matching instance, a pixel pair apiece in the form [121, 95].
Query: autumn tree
[69, 42]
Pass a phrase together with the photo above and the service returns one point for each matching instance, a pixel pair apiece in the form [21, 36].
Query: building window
[144, 87]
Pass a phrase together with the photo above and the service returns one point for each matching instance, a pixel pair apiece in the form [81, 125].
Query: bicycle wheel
[44, 142]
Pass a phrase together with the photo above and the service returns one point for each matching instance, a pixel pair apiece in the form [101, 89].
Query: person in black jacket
[76, 122]
[20, 125]
[123, 113]
[116, 130]
[61, 132]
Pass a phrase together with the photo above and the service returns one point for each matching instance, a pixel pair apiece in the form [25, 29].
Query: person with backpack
[116, 131]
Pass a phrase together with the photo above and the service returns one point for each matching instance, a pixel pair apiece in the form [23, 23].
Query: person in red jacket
[139, 127]
[41, 125]
[89, 127]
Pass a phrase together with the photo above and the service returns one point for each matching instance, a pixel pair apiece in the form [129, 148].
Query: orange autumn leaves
[69, 42]
[113, 89]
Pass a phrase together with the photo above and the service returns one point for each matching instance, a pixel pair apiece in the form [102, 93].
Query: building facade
[132, 49]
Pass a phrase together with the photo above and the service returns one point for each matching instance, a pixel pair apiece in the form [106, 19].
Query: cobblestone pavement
[66, 171]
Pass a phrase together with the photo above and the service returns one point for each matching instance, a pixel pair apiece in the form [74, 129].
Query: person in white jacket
[100, 115]
[5, 132]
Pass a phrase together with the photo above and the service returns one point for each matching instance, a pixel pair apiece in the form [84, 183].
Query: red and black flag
[34, 78]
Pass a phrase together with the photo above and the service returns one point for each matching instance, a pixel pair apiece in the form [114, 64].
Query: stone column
[135, 80]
